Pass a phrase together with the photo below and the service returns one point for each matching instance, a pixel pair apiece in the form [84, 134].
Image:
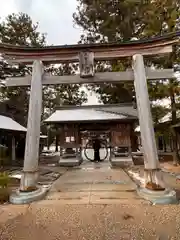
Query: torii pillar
[29, 191]
[154, 189]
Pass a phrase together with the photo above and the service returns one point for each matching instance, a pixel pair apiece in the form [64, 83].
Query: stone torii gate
[154, 188]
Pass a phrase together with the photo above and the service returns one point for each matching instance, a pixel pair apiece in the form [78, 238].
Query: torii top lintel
[102, 51]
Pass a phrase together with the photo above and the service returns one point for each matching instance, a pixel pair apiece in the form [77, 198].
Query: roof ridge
[66, 107]
[113, 112]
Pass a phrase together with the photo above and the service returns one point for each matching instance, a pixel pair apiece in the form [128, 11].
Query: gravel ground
[130, 220]
[97, 222]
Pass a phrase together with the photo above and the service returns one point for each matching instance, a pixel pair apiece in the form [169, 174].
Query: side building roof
[8, 123]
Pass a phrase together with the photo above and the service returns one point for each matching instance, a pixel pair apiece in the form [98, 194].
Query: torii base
[19, 197]
[158, 197]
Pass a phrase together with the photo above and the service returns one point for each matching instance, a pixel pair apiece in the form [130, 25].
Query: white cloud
[23, 6]
[7, 8]
[54, 17]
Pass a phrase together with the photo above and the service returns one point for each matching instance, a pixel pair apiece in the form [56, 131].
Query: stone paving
[93, 183]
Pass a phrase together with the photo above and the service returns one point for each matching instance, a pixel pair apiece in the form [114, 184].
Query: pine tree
[18, 29]
[108, 20]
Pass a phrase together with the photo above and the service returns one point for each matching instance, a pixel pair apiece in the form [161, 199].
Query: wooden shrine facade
[117, 122]
[71, 135]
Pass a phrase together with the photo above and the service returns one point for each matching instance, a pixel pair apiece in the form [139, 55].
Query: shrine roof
[8, 123]
[93, 113]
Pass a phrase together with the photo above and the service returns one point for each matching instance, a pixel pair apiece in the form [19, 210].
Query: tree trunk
[176, 157]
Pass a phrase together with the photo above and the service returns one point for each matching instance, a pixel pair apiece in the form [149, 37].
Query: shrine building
[78, 125]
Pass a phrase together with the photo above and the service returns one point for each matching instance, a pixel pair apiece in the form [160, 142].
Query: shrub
[3, 155]
[4, 180]
[4, 191]
[4, 195]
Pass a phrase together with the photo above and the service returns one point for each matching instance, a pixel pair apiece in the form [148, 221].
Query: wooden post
[153, 179]
[13, 149]
[30, 170]
[57, 141]
[48, 136]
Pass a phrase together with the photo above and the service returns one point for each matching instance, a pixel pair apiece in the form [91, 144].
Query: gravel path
[130, 220]
[97, 222]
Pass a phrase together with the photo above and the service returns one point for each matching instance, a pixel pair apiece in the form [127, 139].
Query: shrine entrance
[87, 56]
[88, 148]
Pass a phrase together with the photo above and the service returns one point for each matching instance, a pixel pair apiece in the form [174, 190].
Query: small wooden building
[114, 122]
[12, 136]
[12, 141]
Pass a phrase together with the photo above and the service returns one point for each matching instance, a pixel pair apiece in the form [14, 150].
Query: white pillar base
[158, 197]
[154, 179]
[28, 181]
[154, 189]
[20, 197]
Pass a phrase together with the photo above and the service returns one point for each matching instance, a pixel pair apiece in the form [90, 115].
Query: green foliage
[3, 155]
[108, 20]
[18, 29]
[4, 179]
[124, 20]
[105, 21]
[3, 151]
[158, 112]
[63, 94]
[4, 190]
